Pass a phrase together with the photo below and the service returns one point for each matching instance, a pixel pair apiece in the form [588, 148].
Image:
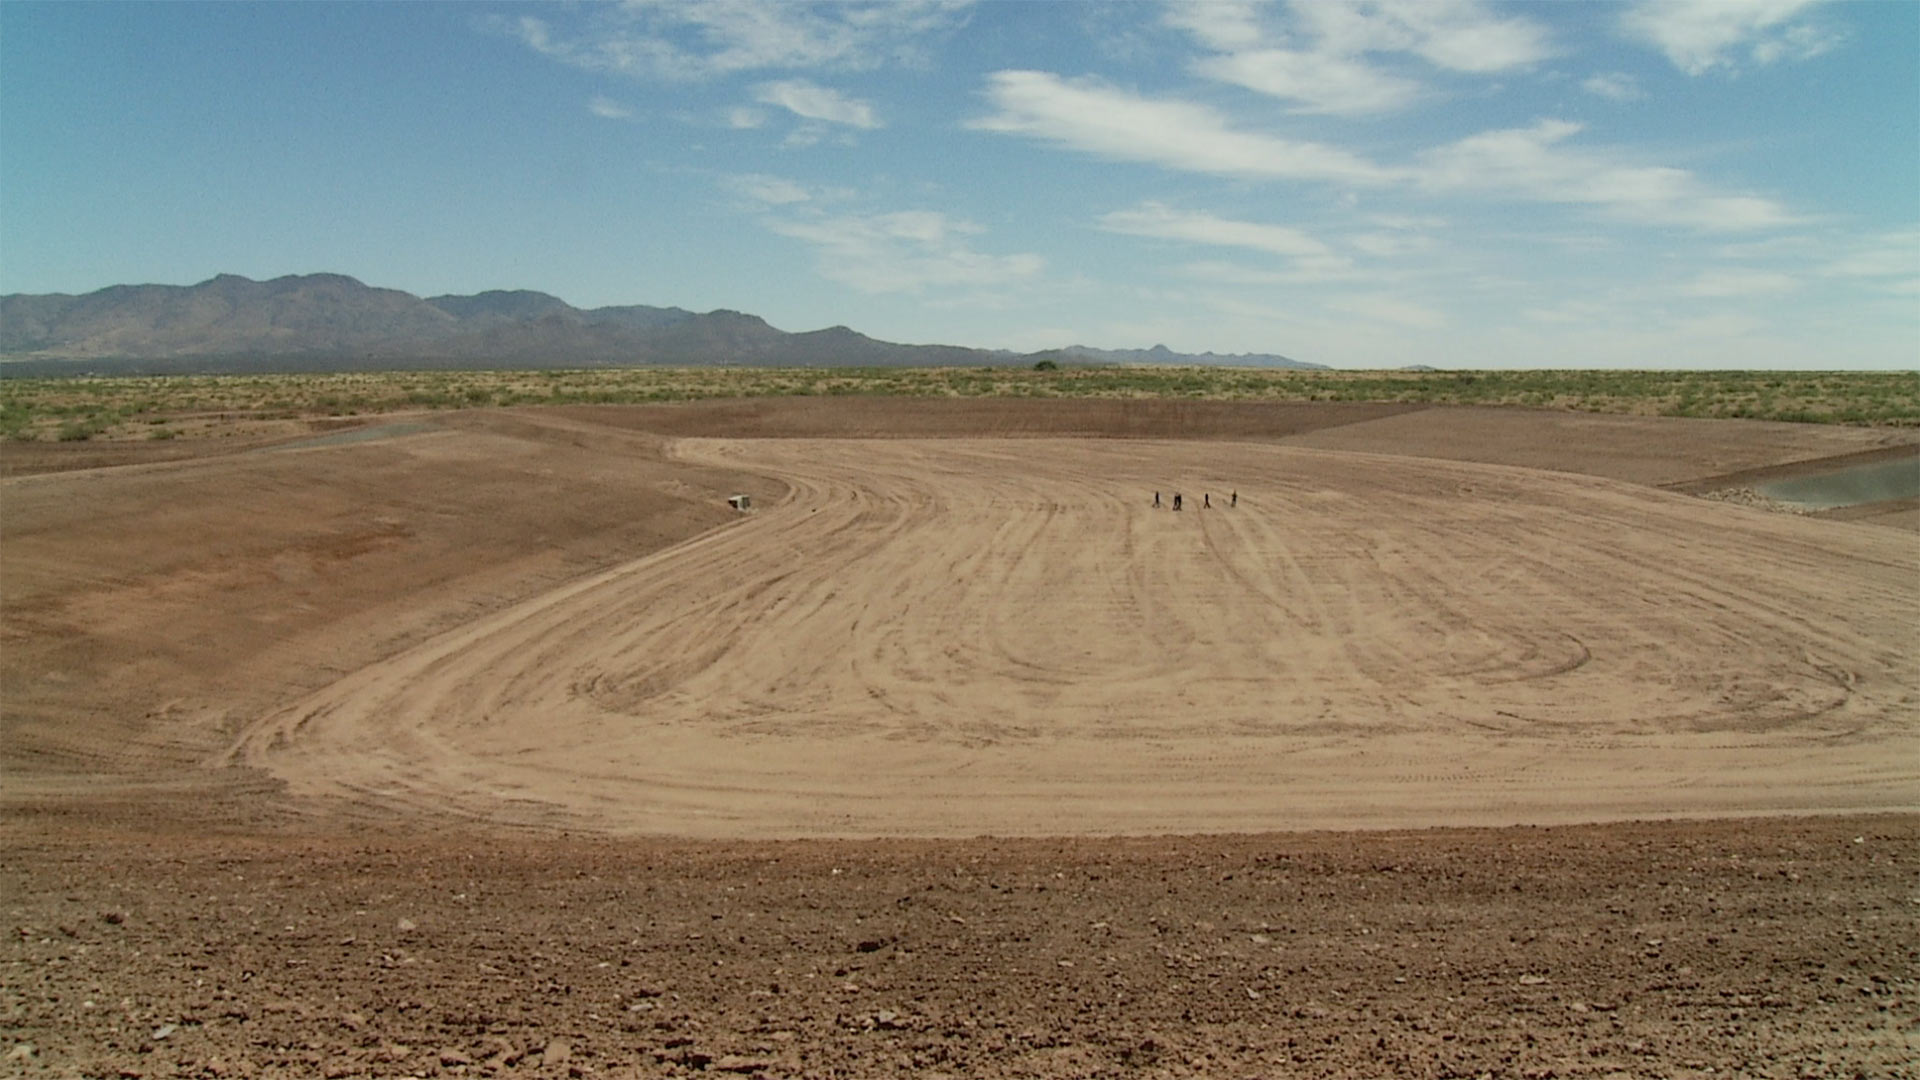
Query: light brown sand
[1003, 636]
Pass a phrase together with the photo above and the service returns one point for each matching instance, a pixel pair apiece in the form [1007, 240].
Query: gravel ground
[1774, 948]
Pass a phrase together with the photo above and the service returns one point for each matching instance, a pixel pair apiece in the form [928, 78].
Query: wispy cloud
[1532, 163]
[1718, 284]
[1154, 219]
[1458, 35]
[804, 99]
[1226, 25]
[1387, 244]
[1094, 117]
[698, 39]
[1539, 163]
[1407, 222]
[1699, 36]
[1614, 85]
[1319, 56]
[901, 251]
[906, 251]
[1892, 254]
[1393, 235]
[606, 107]
[1318, 82]
[1301, 272]
[763, 190]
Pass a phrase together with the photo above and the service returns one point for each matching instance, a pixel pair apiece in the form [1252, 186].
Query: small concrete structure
[742, 503]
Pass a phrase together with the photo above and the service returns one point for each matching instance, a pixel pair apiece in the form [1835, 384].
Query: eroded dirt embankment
[149, 607]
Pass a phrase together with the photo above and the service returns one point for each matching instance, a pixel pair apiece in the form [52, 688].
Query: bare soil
[494, 743]
[1784, 948]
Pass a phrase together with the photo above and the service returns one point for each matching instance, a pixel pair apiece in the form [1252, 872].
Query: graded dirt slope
[964, 636]
[500, 614]
[151, 609]
[1643, 449]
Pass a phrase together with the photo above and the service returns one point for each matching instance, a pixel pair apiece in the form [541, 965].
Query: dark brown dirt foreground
[1778, 948]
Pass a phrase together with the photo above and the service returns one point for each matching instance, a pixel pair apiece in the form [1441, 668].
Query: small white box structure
[742, 503]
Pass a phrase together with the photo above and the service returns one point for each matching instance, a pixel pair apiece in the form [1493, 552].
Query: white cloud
[1227, 25]
[1320, 61]
[1096, 118]
[1458, 35]
[811, 102]
[604, 106]
[744, 117]
[1536, 163]
[1893, 254]
[1387, 244]
[1531, 163]
[696, 39]
[1614, 85]
[1699, 36]
[768, 190]
[810, 134]
[905, 251]
[1303, 272]
[1407, 221]
[1320, 82]
[1153, 219]
[1720, 284]
[1396, 234]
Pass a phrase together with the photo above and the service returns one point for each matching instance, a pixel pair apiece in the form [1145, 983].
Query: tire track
[970, 635]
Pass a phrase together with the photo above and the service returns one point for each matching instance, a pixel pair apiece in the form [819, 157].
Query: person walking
[1206, 500]
[1236, 498]
[1156, 500]
[1176, 500]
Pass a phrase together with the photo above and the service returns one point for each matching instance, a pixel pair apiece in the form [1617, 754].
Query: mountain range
[334, 322]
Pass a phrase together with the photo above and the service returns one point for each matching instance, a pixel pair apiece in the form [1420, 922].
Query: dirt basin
[508, 749]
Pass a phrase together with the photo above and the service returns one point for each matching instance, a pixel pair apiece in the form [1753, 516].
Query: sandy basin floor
[966, 636]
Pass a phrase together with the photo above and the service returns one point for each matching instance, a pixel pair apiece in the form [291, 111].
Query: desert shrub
[29, 407]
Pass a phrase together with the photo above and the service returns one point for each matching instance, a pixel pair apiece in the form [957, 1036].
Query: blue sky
[1730, 183]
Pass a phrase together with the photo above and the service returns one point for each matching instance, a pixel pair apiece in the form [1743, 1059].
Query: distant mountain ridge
[334, 322]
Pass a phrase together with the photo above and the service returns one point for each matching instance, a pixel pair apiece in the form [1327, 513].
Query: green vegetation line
[162, 407]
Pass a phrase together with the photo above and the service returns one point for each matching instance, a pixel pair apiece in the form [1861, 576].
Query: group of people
[1206, 500]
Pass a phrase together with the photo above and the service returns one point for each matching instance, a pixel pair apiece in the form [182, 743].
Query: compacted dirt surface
[1463, 742]
[940, 636]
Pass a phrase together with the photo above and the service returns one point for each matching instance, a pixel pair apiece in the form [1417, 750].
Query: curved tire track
[980, 635]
